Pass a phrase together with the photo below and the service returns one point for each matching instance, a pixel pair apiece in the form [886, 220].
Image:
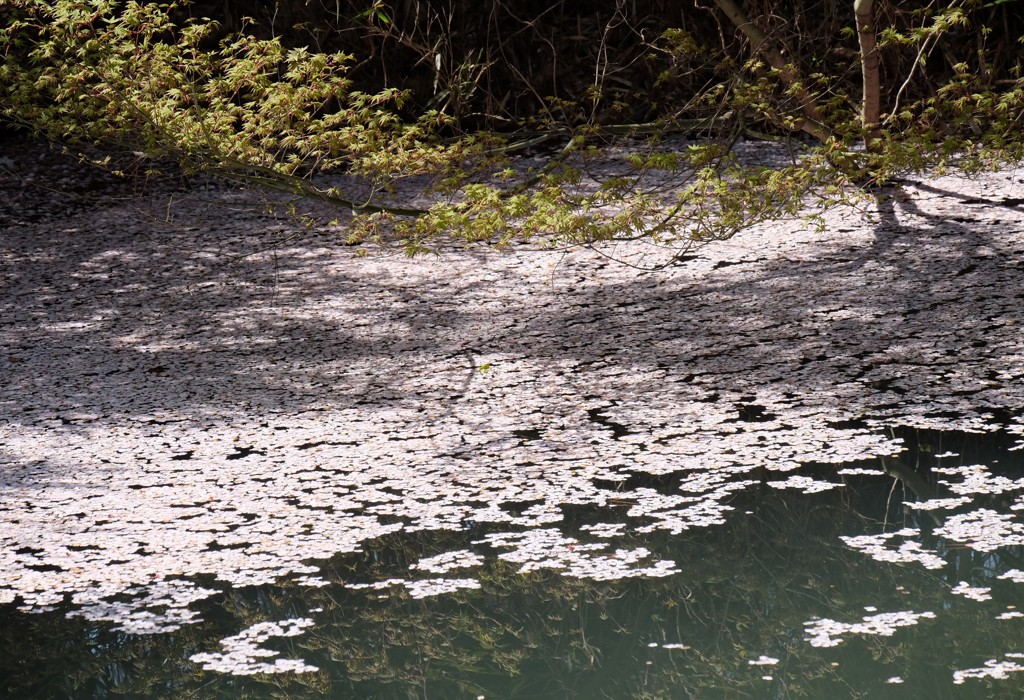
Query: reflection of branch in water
[896, 468]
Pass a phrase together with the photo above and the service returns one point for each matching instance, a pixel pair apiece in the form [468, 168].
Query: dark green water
[739, 620]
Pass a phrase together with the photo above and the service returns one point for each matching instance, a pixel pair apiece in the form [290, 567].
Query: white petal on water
[829, 633]
[242, 652]
[938, 503]
[605, 529]
[993, 669]
[859, 471]
[879, 548]
[970, 592]
[804, 483]
[443, 563]
[548, 549]
[978, 479]
[983, 529]
[437, 586]
[312, 581]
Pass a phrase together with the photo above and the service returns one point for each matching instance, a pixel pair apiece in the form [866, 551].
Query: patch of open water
[786, 467]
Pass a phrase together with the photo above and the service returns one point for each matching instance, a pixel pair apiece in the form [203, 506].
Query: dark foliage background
[496, 64]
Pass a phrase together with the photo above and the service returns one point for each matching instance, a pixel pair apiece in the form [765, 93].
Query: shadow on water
[142, 322]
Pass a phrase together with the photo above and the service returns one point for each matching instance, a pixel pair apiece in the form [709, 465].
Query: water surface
[239, 462]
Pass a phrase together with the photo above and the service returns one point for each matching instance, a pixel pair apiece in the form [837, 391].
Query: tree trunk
[871, 102]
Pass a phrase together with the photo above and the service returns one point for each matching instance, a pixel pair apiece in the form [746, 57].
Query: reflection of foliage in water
[745, 595]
